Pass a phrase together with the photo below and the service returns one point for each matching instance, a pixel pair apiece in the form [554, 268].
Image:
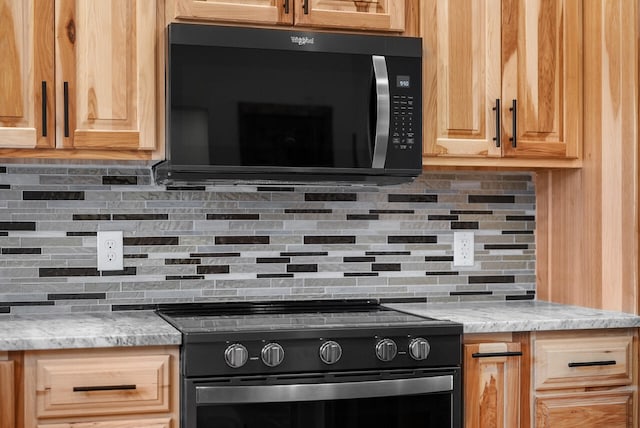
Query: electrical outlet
[110, 251]
[463, 249]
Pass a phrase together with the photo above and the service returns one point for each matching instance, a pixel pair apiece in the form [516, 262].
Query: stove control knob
[236, 355]
[419, 348]
[330, 352]
[272, 354]
[386, 350]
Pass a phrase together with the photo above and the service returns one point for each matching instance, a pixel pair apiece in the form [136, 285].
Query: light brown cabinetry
[585, 379]
[114, 388]
[493, 375]
[380, 15]
[485, 57]
[80, 80]
[7, 393]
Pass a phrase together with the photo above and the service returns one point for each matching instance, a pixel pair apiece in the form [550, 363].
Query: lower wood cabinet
[552, 379]
[137, 423]
[492, 381]
[611, 409]
[7, 393]
[585, 379]
[101, 388]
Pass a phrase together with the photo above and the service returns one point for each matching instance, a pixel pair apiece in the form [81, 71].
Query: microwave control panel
[402, 122]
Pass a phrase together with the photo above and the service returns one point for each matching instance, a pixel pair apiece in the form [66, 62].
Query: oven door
[400, 399]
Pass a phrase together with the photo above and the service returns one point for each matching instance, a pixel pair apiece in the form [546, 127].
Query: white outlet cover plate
[463, 249]
[110, 251]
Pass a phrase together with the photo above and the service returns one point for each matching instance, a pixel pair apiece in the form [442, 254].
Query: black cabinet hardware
[66, 109]
[496, 108]
[594, 363]
[44, 108]
[496, 354]
[514, 109]
[103, 388]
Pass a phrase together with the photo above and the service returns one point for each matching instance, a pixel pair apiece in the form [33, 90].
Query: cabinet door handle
[496, 354]
[44, 108]
[103, 388]
[496, 108]
[286, 6]
[66, 109]
[594, 363]
[305, 6]
[514, 109]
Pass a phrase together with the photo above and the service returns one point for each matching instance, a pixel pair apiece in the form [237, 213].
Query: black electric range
[330, 352]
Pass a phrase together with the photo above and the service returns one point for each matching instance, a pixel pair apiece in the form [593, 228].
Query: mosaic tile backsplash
[257, 242]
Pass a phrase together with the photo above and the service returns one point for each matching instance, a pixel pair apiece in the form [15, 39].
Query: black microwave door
[271, 108]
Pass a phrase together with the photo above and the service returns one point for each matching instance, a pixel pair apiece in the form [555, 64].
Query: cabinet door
[26, 74]
[542, 71]
[462, 77]
[105, 74]
[258, 11]
[386, 15]
[138, 423]
[7, 402]
[586, 410]
[492, 385]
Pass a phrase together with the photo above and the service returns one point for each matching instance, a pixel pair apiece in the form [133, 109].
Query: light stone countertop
[145, 328]
[85, 330]
[513, 316]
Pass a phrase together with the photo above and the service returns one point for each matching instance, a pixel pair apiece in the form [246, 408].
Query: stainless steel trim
[322, 391]
[383, 111]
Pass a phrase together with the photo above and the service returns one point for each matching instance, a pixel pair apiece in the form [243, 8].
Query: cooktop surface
[294, 315]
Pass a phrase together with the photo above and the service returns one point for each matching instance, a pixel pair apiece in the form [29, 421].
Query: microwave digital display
[403, 82]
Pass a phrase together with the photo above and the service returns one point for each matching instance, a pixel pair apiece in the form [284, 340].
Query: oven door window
[429, 410]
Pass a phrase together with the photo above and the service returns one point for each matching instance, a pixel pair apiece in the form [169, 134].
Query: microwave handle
[383, 111]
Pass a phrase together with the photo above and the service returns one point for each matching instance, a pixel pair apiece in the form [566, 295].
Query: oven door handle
[383, 111]
[322, 391]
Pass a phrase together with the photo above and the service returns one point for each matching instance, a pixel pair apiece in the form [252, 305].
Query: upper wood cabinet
[485, 57]
[381, 15]
[26, 71]
[81, 75]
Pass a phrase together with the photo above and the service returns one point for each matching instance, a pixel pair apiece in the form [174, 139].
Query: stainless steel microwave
[254, 104]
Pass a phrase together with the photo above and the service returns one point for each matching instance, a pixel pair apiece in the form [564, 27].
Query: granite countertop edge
[86, 330]
[146, 328]
[520, 316]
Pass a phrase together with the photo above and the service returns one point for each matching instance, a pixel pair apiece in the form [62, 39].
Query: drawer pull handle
[496, 354]
[594, 363]
[103, 388]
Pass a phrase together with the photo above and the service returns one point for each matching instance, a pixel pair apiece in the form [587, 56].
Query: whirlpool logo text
[302, 40]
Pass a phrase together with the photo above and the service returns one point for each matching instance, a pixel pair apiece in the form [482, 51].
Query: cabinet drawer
[102, 386]
[613, 409]
[138, 423]
[600, 359]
